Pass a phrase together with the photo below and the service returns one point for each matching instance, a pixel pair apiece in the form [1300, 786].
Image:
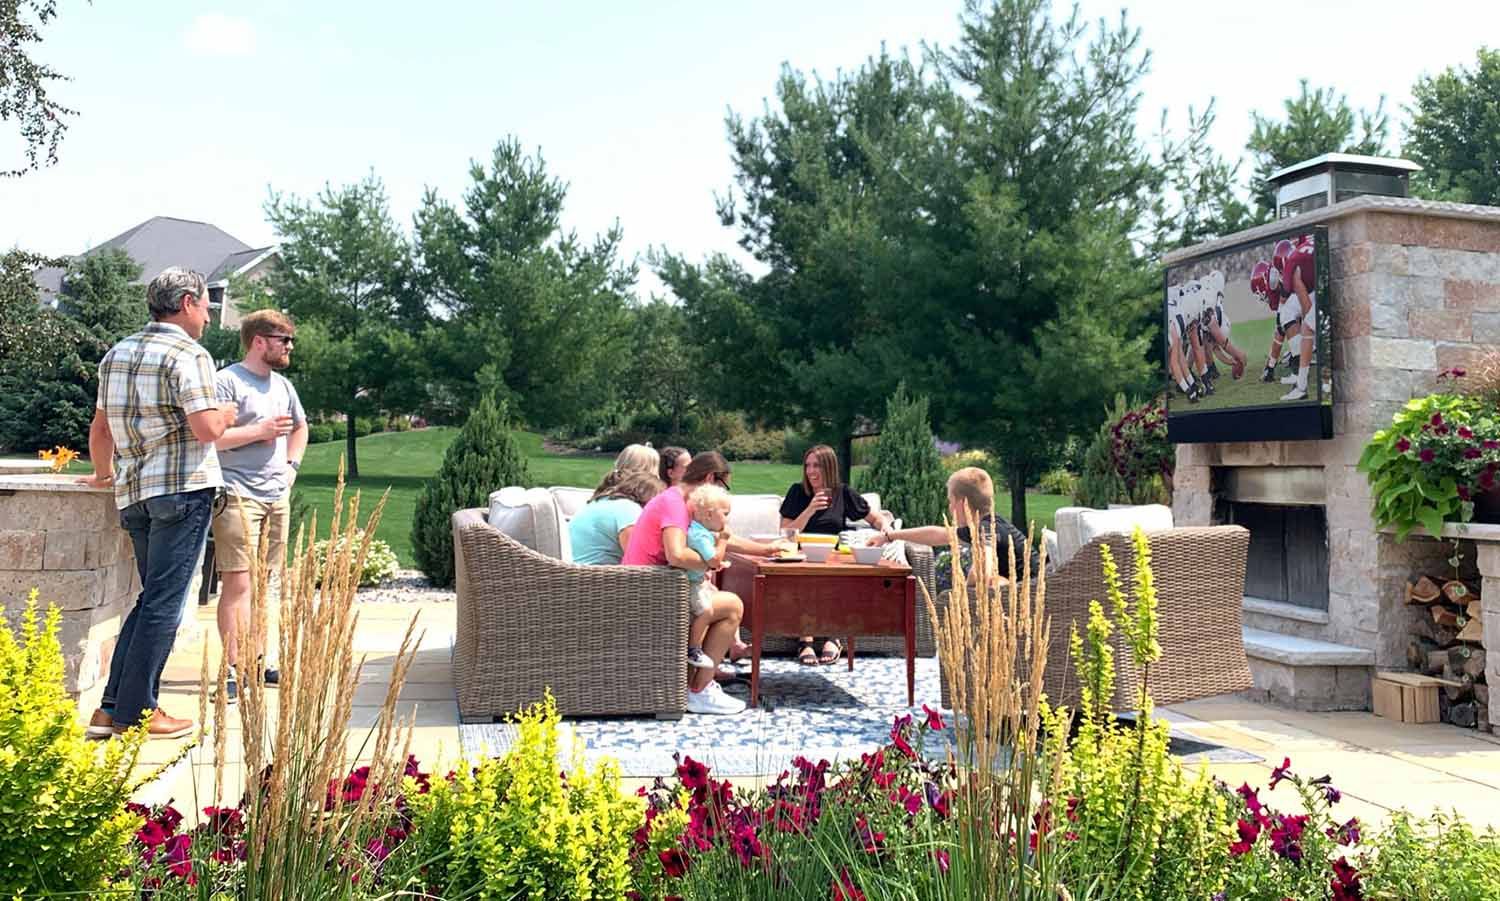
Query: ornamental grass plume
[308, 825]
[992, 637]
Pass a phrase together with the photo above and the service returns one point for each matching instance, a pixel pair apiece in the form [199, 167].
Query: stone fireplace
[1414, 290]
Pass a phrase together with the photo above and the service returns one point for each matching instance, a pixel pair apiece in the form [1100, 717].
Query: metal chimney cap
[1353, 160]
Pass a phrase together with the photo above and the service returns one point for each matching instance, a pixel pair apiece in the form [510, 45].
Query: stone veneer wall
[65, 540]
[1415, 290]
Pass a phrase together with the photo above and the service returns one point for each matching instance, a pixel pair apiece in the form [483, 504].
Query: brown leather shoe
[163, 726]
[101, 725]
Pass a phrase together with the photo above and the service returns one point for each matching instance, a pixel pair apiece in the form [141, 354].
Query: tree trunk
[351, 466]
[1015, 476]
[846, 458]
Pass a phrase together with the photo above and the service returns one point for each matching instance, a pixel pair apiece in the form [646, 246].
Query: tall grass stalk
[992, 638]
[302, 841]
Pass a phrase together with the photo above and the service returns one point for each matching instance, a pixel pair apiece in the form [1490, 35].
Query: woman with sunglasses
[660, 539]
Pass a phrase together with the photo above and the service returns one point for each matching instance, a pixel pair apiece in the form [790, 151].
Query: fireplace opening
[1282, 507]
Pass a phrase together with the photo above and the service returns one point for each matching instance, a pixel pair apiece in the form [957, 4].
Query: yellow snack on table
[806, 538]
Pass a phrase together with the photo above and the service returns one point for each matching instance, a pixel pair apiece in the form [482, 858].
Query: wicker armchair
[1200, 584]
[528, 622]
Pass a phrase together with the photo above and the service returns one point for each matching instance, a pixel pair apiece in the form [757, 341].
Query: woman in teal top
[601, 530]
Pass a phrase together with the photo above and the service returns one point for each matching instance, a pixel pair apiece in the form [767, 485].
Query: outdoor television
[1247, 341]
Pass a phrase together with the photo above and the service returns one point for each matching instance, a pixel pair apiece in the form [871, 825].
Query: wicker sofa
[1200, 581]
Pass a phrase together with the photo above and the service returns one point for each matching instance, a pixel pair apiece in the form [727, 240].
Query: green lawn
[404, 460]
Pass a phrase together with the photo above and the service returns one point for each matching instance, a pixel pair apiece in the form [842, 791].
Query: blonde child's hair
[973, 486]
[708, 495]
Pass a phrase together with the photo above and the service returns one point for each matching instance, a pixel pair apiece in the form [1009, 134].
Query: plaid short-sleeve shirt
[148, 384]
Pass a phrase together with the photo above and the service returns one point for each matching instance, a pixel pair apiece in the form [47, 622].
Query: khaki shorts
[232, 548]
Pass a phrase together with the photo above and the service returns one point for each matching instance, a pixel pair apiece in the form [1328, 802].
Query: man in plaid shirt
[152, 437]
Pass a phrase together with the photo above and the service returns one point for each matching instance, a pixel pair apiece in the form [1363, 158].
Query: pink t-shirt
[666, 509]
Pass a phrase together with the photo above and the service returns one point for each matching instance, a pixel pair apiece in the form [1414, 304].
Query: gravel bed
[409, 586]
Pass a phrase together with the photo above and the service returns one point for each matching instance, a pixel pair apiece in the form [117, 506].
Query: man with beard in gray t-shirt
[259, 455]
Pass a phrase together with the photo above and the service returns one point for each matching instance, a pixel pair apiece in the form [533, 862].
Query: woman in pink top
[660, 539]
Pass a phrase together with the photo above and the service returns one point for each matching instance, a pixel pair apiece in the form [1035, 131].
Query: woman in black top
[822, 505]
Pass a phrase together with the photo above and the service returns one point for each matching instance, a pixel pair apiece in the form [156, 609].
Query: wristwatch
[295, 464]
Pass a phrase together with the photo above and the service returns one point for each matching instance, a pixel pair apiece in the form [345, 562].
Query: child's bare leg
[698, 629]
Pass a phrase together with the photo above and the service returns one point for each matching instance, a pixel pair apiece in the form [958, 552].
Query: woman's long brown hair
[828, 463]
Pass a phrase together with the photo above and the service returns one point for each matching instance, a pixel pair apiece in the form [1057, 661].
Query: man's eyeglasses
[287, 340]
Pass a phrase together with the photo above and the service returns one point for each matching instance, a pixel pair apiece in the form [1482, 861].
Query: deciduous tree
[1455, 132]
[24, 83]
[342, 272]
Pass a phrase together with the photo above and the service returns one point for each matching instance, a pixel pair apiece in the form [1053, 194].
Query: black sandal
[807, 655]
[838, 653]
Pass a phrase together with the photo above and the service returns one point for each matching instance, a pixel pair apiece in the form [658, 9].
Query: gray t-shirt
[258, 470]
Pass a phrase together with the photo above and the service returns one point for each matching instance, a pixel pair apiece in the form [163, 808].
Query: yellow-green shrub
[62, 798]
[516, 826]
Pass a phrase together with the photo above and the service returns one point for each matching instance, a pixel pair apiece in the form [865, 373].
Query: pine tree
[907, 470]
[484, 458]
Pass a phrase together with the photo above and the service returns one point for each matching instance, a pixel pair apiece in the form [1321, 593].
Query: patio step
[1307, 673]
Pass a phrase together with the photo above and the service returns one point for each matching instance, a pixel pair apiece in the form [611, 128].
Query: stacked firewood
[1447, 642]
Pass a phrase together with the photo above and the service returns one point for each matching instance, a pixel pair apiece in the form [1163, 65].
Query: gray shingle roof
[163, 241]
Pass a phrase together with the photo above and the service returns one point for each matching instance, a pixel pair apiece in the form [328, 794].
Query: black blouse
[831, 519]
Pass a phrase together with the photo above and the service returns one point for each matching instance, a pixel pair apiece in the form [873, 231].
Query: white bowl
[817, 553]
[867, 555]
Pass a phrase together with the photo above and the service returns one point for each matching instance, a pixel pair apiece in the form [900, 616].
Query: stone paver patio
[1378, 764]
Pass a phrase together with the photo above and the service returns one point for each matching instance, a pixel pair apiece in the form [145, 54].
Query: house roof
[237, 262]
[163, 241]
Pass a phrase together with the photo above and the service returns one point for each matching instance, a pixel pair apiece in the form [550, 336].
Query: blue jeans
[169, 533]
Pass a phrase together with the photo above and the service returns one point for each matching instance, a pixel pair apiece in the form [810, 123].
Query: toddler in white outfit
[709, 539]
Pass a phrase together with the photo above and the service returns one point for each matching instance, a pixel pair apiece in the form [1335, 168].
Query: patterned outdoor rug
[818, 712]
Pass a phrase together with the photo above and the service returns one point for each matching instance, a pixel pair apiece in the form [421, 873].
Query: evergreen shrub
[483, 458]
[321, 433]
[906, 469]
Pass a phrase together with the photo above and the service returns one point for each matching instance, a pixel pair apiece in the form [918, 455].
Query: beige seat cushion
[530, 516]
[1123, 521]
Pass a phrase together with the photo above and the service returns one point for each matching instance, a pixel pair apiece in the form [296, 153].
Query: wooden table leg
[849, 640]
[910, 618]
[757, 636]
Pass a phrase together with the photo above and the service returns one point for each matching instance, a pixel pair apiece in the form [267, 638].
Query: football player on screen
[1293, 272]
[1214, 327]
[1184, 309]
[1288, 313]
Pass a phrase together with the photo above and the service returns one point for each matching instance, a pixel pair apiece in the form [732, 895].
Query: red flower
[1345, 882]
[844, 889]
[1463, 493]
[934, 719]
[1072, 813]
[1281, 772]
[1249, 831]
[674, 862]
[941, 857]
[1437, 419]
[1403, 445]
[151, 834]
[898, 735]
[1491, 444]
[180, 858]
[909, 799]
[1426, 456]
[871, 841]
[1465, 432]
[1286, 835]
[224, 820]
[169, 818]
[693, 774]
[746, 845]
[1347, 834]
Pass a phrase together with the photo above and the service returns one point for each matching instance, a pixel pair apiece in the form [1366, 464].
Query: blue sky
[193, 109]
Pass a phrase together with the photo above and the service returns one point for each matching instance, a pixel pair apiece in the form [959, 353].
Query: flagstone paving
[1378, 764]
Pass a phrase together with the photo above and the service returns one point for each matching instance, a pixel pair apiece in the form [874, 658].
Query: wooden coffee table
[839, 598]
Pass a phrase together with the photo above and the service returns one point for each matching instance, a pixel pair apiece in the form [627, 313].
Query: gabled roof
[163, 241]
[238, 262]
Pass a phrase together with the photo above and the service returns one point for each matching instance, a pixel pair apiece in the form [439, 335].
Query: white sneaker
[1295, 394]
[696, 657]
[1289, 379]
[713, 700]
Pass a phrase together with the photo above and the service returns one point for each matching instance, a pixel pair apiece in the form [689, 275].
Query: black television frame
[1267, 422]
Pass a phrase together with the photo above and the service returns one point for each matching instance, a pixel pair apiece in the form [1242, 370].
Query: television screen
[1247, 342]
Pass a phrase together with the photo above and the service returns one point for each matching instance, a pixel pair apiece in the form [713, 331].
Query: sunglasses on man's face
[286, 340]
